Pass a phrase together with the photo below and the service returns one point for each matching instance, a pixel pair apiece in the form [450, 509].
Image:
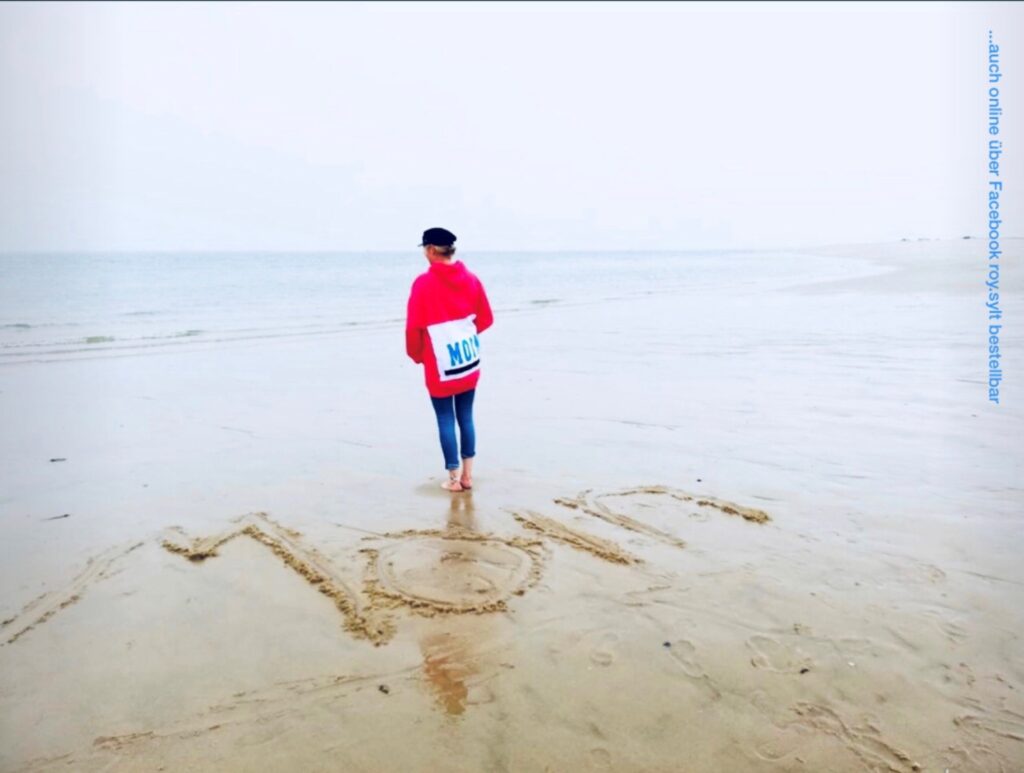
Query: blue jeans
[447, 409]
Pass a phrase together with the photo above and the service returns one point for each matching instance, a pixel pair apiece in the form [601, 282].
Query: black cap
[439, 237]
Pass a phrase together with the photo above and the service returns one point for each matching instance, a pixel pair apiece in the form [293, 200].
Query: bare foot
[451, 485]
[467, 473]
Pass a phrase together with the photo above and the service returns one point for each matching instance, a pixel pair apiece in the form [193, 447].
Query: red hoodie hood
[453, 274]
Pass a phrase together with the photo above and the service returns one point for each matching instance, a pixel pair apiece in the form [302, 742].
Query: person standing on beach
[447, 311]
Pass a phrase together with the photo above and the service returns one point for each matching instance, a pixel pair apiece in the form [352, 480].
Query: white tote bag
[456, 347]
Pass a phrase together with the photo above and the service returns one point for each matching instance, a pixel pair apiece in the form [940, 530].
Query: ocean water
[55, 306]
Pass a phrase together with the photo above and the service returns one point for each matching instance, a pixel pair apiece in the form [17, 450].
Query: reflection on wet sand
[450, 662]
[462, 513]
[453, 646]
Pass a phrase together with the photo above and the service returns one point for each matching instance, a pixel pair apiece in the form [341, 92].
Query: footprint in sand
[846, 582]
[780, 745]
[862, 738]
[994, 720]
[970, 756]
[683, 652]
[906, 570]
[932, 573]
[772, 655]
[954, 632]
[782, 739]
[604, 653]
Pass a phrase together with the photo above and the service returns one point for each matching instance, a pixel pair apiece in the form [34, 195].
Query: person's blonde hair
[446, 250]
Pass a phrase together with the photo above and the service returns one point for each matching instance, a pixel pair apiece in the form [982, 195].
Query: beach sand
[709, 531]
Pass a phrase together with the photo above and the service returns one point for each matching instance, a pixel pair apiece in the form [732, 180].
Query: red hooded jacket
[448, 308]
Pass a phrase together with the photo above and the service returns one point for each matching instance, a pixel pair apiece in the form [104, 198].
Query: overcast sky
[518, 126]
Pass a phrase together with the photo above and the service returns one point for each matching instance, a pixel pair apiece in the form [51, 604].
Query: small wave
[143, 313]
[179, 334]
[51, 351]
[544, 301]
[20, 326]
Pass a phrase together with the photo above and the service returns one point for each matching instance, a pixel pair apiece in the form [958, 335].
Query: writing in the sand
[995, 190]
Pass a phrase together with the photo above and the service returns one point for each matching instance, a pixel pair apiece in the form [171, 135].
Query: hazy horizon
[469, 250]
[353, 127]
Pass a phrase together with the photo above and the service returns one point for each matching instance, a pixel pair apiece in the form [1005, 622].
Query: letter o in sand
[452, 574]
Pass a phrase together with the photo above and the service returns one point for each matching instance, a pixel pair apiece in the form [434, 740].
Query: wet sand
[740, 531]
